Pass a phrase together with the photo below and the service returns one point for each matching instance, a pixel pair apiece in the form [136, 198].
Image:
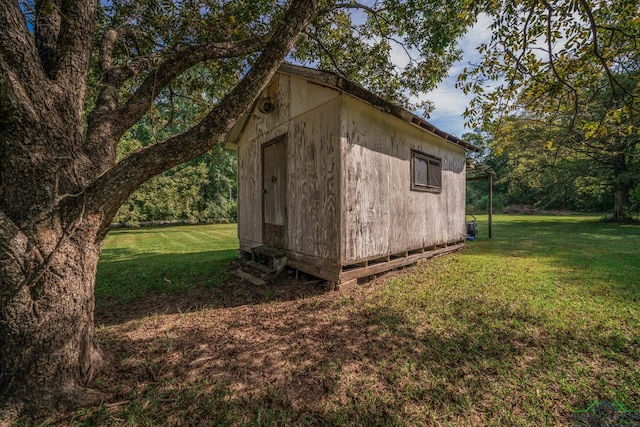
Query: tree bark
[48, 350]
[619, 202]
[622, 181]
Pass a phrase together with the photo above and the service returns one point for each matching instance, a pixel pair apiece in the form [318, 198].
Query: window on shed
[426, 172]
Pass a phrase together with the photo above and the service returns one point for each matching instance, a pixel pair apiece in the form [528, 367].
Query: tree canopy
[560, 80]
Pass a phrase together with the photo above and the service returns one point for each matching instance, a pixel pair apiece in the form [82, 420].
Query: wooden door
[274, 212]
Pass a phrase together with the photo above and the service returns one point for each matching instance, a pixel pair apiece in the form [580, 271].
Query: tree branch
[106, 49]
[350, 5]
[158, 79]
[325, 50]
[552, 64]
[75, 40]
[525, 46]
[18, 52]
[107, 123]
[47, 28]
[613, 82]
[111, 189]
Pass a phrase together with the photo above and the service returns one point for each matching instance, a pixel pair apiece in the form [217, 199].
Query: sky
[450, 102]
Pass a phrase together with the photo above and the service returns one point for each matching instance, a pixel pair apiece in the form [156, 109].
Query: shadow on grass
[142, 285]
[336, 359]
[309, 363]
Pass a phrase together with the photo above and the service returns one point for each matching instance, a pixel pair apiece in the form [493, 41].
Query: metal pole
[490, 205]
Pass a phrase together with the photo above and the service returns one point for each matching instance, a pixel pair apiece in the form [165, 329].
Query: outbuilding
[342, 183]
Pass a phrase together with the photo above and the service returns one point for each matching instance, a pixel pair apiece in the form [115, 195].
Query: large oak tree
[76, 75]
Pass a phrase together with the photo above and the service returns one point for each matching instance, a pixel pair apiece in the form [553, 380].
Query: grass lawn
[523, 329]
[141, 262]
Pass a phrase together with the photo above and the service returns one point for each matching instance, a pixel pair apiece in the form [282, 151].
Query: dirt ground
[233, 293]
[284, 337]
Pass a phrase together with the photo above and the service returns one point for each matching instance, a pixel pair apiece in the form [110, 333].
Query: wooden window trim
[429, 159]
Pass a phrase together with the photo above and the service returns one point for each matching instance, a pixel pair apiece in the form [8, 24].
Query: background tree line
[202, 190]
[560, 124]
[536, 167]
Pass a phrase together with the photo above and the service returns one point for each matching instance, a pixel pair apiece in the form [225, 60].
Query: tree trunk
[49, 249]
[60, 187]
[622, 183]
[48, 350]
[619, 203]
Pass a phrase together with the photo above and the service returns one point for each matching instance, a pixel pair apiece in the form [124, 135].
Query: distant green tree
[542, 172]
[219, 195]
[571, 66]
[203, 189]
[477, 191]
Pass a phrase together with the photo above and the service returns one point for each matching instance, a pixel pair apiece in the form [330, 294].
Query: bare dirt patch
[233, 292]
[221, 356]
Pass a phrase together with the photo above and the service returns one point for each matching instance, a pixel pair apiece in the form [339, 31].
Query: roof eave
[331, 79]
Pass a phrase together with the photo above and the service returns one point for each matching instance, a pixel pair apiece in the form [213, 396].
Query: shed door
[274, 193]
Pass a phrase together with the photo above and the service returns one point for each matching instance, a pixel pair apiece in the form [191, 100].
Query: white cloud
[449, 101]
[399, 55]
[475, 36]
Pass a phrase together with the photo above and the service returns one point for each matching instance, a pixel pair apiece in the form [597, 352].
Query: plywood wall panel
[308, 116]
[383, 216]
[249, 193]
[314, 182]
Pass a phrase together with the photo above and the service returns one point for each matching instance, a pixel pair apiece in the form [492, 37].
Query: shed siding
[308, 114]
[249, 194]
[381, 215]
[313, 184]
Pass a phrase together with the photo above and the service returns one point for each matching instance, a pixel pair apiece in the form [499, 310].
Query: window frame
[429, 160]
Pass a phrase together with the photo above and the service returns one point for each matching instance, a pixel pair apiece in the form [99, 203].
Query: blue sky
[450, 102]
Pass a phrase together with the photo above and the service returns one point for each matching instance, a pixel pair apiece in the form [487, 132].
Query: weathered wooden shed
[342, 182]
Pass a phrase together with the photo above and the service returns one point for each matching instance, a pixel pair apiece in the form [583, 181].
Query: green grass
[523, 329]
[141, 262]
[544, 318]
